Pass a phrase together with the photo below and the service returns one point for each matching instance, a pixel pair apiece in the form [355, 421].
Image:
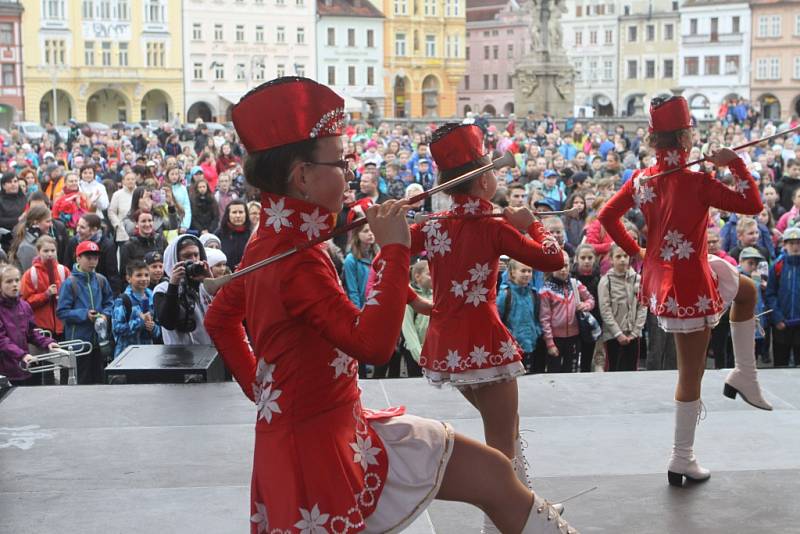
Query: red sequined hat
[287, 110]
[457, 145]
[668, 115]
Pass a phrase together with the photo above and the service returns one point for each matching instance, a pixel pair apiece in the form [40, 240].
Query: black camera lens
[193, 269]
[354, 185]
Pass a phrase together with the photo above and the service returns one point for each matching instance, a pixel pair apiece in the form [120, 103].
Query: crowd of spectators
[99, 227]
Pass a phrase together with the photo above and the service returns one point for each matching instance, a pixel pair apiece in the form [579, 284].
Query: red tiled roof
[348, 8]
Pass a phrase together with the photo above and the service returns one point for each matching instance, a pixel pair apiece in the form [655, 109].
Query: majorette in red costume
[321, 461]
[466, 342]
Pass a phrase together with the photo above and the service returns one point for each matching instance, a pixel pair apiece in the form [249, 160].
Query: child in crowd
[747, 234]
[72, 204]
[586, 269]
[155, 265]
[783, 298]
[85, 305]
[41, 283]
[750, 264]
[415, 324]
[217, 262]
[518, 306]
[224, 194]
[132, 320]
[363, 250]
[558, 318]
[623, 315]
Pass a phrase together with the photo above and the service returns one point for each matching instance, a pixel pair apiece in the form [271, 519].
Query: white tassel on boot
[683, 462]
[743, 379]
[545, 519]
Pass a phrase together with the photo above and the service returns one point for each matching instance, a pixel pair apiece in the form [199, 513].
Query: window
[280, 70]
[105, 53]
[510, 81]
[763, 26]
[259, 34]
[371, 76]
[197, 31]
[736, 25]
[633, 67]
[485, 82]
[578, 38]
[578, 69]
[650, 69]
[669, 68]
[796, 73]
[486, 52]
[123, 54]
[651, 32]
[600, 9]
[593, 37]
[123, 13]
[775, 68]
[466, 53]
[299, 69]
[280, 34]
[260, 73]
[280, 2]
[692, 26]
[87, 9]
[711, 65]
[797, 25]
[609, 37]
[496, 52]
[608, 69]
[731, 64]
[400, 44]
[401, 7]
[430, 46]
[714, 29]
[351, 75]
[430, 8]
[9, 75]
[53, 10]
[691, 66]
[626, 11]
[675, 5]
[6, 33]
[669, 32]
[775, 26]
[466, 82]
[197, 71]
[301, 35]
[154, 12]
[331, 75]
[299, 3]
[331, 37]
[104, 10]
[219, 71]
[218, 33]
[55, 52]
[240, 72]
[239, 33]
[593, 72]
[155, 54]
[370, 38]
[632, 34]
[762, 68]
[510, 51]
[351, 37]
[451, 8]
[456, 45]
[494, 81]
[88, 53]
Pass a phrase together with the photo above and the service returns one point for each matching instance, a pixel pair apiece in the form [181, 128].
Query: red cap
[456, 145]
[87, 246]
[287, 110]
[669, 115]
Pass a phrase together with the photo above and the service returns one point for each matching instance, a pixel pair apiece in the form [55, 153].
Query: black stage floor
[176, 458]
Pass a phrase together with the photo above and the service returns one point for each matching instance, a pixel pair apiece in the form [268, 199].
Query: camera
[194, 269]
[355, 185]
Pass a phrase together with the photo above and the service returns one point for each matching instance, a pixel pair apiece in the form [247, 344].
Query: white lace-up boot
[545, 519]
[743, 379]
[683, 462]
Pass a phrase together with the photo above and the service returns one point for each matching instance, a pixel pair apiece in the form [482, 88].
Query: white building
[232, 46]
[350, 53]
[591, 40]
[714, 54]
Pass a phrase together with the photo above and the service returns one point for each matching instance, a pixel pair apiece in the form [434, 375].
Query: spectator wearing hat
[89, 228]
[155, 264]
[553, 189]
[12, 204]
[751, 263]
[85, 304]
[783, 298]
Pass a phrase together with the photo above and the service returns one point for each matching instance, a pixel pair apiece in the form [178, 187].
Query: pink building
[497, 38]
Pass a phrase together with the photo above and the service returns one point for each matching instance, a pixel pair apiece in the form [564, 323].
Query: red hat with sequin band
[458, 148]
[285, 111]
[669, 114]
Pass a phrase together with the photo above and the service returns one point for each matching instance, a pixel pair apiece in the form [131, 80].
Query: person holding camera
[181, 302]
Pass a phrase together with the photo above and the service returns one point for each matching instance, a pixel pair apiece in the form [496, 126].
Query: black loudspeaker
[166, 364]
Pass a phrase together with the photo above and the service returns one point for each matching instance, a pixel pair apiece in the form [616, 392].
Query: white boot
[683, 462]
[523, 469]
[743, 379]
[544, 519]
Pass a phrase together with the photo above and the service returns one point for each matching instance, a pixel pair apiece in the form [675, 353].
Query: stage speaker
[166, 364]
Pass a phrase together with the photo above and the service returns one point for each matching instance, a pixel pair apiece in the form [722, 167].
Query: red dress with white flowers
[677, 282]
[321, 463]
[466, 342]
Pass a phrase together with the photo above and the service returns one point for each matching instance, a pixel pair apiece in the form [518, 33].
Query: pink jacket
[783, 222]
[557, 309]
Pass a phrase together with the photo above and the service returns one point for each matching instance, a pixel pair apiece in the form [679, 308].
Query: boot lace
[552, 515]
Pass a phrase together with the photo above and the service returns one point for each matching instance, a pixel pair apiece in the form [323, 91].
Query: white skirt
[475, 378]
[727, 278]
[418, 450]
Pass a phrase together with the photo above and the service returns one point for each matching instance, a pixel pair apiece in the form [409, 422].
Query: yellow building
[424, 61]
[105, 60]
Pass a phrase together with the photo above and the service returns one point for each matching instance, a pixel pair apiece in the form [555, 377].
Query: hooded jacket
[16, 331]
[522, 318]
[137, 246]
[33, 289]
[107, 266]
[128, 328]
[90, 293]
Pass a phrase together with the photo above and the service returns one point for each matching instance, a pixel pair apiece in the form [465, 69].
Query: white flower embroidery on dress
[644, 194]
[260, 518]
[476, 295]
[673, 237]
[453, 359]
[341, 364]
[431, 228]
[684, 250]
[653, 302]
[703, 303]
[313, 521]
[479, 355]
[264, 371]
[440, 244]
[459, 288]
[313, 223]
[508, 350]
[741, 186]
[365, 453]
[472, 207]
[479, 273]
[673, 158]
[371, 300]
[672, 306]
[267, 403]
[667, 252]
[278, 215]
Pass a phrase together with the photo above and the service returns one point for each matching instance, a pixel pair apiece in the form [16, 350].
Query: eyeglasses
[342, 164]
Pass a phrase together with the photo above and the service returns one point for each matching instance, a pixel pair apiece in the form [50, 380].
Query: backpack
[102, 281]
[507, 304]
[61, 272]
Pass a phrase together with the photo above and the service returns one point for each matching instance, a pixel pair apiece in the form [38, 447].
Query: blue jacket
[523, 314]
[760, 307]
[74, 305]
[783, 292]
[729, 239]
[356, 273]
[129, 329]
[568, 151]
[181, 195]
